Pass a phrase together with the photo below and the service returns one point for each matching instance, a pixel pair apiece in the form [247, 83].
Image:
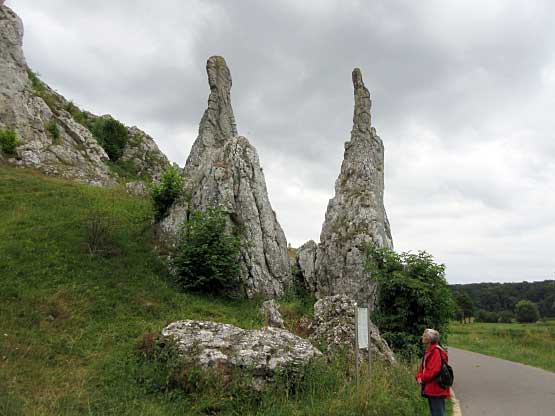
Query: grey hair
[432, 335]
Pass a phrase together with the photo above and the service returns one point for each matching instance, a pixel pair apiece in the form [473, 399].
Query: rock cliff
[355, 215]
[53, 135]
[223, 170]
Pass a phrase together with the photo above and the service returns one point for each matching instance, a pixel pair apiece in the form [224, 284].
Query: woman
[429, 370]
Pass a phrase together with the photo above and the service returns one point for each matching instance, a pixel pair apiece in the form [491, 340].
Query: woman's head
[430, 336]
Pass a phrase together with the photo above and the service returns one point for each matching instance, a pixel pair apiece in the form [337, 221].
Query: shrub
[527, 311]
[487, 316]
[207, 254]
[111, 135]
[506, 317]
[167, 191]
[53, 131]
[413, 296]
[99, 233]
[8, 141]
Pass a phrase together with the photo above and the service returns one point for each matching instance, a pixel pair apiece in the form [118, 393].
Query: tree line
[498, 301]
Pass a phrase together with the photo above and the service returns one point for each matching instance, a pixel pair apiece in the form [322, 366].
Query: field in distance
[531, 344]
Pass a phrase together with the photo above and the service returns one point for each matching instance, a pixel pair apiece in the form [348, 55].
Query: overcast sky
[463, 98]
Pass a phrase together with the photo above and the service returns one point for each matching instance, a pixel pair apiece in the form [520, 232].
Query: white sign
[362, 327]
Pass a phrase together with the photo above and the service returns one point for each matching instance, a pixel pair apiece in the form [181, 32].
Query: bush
[487, 316]
[8, 141]
[506, 317]
[167, 191]
[111, 135]
[207, 255]
[527, 311]
[53, 131]
[413, 296]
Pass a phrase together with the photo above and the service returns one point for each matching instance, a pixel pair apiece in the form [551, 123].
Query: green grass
[81, 285]
[532, 344]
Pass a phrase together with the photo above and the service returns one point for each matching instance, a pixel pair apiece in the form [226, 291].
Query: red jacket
[429, 369]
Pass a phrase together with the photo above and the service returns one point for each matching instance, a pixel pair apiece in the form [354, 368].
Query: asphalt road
[490, 386]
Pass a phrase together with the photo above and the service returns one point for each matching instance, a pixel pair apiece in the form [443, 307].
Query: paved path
[490, 386]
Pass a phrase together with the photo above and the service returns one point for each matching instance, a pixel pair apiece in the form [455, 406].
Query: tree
[526, 311]
[167, 191]
[111, 135]
[413, 296]
[465, 304]
[207, 254]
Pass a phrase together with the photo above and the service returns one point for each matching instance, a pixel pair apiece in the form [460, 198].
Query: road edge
[456, 404]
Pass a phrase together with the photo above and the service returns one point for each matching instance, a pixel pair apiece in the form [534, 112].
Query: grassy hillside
[80, 286]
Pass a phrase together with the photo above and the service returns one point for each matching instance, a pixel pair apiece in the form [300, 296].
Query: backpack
[445, 376]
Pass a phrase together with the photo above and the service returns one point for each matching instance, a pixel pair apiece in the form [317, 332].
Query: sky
[463, 98]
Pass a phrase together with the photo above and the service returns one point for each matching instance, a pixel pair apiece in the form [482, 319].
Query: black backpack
[445, 376]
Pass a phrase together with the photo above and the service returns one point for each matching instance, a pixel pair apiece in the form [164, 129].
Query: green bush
[8, 141]
[487, 316]
[526, 311]
[506, 317]
[413, 296]
[167, 191]
[53, 131]
[111, 135]
[206, 258]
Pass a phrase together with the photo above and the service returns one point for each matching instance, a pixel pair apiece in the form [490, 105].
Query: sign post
[356, 342]
[369, 334]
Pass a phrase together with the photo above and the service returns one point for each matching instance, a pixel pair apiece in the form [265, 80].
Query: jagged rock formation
[223, 170]
[271, 314]
[262, 353]
[356, 214]
[50, 139]
[334, 329]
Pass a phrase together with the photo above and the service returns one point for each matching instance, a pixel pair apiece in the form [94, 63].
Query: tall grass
[532, 344]
[72, 317]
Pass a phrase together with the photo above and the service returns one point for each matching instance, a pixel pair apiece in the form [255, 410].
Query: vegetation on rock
[206, 257]
[8, 141]
[167, 191]
[413, 295]
[111, 135]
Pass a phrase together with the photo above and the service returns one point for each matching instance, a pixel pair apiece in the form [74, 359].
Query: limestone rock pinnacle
[355, 215]
[223, 170]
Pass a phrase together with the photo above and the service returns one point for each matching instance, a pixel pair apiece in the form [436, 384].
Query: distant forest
[500, 297]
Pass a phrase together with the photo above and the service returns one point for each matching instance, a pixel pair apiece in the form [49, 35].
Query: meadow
[532, 344]
[82, 285]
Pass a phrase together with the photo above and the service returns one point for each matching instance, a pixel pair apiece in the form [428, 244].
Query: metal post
[369, 349]
[356, 342]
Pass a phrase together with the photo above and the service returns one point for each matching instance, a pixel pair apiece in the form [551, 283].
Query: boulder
[333, 328]
[356, 215]
[137, 188]
[272, 316]
[223, 170]
[261, 353]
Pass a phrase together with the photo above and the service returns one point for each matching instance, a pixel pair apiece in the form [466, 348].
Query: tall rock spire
[356, 214]
[223, 170]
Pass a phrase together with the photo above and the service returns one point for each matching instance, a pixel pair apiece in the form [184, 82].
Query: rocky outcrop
[50, 138]
[306, 263]
[356, 214]
[223, 170]
[271, 314]
[260, 353]
[333, 328]
[51, 142]
[144, 156]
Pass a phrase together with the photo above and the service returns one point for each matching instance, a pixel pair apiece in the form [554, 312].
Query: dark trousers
[437, 406]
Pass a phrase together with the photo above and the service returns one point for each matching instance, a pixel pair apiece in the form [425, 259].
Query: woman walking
[429, 370]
